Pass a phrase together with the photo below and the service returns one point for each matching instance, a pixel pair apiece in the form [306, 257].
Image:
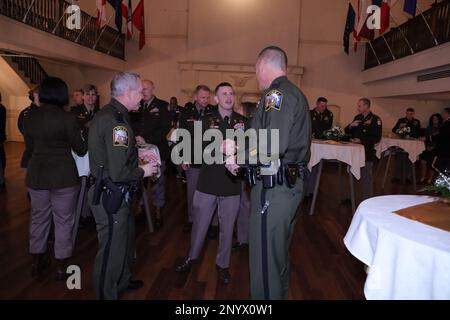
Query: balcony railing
[411, 37]
[47, 15]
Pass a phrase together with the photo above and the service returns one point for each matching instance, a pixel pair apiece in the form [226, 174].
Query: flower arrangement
[336, 133]
[404, 132]
[442, 185]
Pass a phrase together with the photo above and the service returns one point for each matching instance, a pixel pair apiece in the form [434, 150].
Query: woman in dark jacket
[427, 157]
[52, 177]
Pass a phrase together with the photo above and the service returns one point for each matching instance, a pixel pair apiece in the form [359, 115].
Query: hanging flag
[127, 12]
[410, 7]
[101, 13]
[117, 5]
[349, 27]
[361, 30]
[385, 16]
[139, 22]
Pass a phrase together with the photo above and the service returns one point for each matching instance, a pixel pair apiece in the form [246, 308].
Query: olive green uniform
[282, 107]
[112, 145]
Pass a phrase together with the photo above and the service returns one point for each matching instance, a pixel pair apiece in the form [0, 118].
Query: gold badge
[120, 136]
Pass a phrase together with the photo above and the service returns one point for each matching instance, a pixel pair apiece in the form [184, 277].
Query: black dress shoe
[185, 266]
[135, 285]
[223, 274]
[187, 227]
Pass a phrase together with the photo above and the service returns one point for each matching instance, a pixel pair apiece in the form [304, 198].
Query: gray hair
[274, 56]
[122, 82]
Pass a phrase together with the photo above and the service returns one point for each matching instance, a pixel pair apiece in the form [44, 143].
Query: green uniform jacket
[321, 122]
[284, 107]
[188, 118]
[50, 136]
[413, 125]
[152, 123]
[112, 144]
[215, 179]
[369, 132]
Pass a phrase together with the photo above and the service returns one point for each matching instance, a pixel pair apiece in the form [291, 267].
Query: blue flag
[117, 5]
[410, 7]
[349, 27]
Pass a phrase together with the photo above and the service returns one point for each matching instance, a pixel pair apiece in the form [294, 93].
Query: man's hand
[185, 166]
[402, 125]
[150, 169]
[140, 141]
[355, 123]
[355, 140]
[229, 147]
[233, 168]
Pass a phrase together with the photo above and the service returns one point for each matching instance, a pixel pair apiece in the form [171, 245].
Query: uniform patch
[274, 99]
[120, 137]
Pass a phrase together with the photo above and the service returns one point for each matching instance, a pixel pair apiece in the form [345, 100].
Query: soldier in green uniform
[366, 129]
[194, 113]
[217, 188]
[321, 118]
[402, 163]
[274, 205]
[114, 164]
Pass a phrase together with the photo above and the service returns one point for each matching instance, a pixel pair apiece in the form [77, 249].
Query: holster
[292, 172]
[113, 197]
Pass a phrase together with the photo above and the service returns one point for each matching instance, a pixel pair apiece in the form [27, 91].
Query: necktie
[226, 120]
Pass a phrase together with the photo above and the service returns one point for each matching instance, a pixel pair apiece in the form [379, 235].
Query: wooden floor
[322, 268]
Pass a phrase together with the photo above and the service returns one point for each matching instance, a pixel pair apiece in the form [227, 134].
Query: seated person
[443, 143]
[427, 157]
[321, 118]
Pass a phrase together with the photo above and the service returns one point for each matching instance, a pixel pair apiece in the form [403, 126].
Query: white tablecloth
[412, 146]
[82, 164]
[350, 153]
[407, 259]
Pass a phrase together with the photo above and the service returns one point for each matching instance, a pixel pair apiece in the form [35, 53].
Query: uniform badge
[120, 137]
[274, 99]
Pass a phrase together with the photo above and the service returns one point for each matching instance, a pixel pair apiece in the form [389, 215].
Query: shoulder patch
[120, 136]
[274, 100]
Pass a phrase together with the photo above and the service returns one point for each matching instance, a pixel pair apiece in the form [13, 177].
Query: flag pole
[375, 54]
[28, 11]
[109, 51]
[389, 47]
[84, 27]
[403, 34]
[101, 33]
[428, 26]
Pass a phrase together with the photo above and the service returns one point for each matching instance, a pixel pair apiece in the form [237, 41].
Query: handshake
[229, 149]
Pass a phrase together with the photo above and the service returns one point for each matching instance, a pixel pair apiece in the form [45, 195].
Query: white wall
[229, 34]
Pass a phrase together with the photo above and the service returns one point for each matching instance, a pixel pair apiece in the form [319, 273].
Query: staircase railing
[47, 15]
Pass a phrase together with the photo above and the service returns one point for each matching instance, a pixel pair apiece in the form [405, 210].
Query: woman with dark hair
[427, 157]
[52, 178]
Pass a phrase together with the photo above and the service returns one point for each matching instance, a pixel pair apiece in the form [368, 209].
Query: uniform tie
[226, 120]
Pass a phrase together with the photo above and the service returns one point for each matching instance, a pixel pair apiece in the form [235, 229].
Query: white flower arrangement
[403, 132]
[335, 133]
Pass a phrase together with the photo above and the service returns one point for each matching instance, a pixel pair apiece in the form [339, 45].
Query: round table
[407, 259]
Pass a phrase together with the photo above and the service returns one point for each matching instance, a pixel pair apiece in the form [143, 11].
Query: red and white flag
[139, 22]
[127, 13]
[101, 13]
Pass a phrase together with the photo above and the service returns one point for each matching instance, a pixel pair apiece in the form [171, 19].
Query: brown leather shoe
[223, 274]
